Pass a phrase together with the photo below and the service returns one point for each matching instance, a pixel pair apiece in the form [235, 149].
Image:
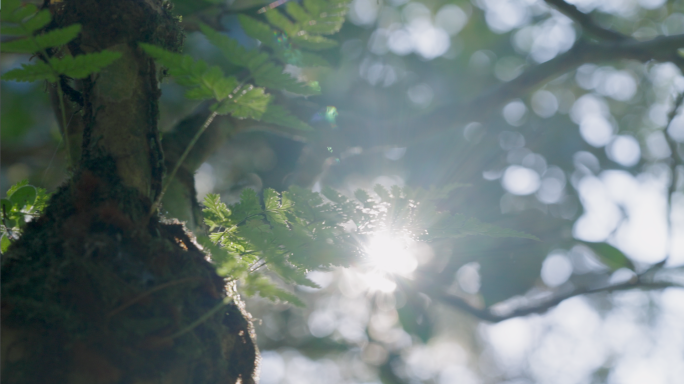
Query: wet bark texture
[97, 290]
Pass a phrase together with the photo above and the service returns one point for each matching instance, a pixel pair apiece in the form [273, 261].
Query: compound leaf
[37, 43]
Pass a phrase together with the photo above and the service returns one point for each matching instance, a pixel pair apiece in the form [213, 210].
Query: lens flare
[391, 254]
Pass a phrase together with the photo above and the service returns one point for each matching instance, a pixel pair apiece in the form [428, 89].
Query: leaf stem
[60, 93]
[65, 134]
[180, 161]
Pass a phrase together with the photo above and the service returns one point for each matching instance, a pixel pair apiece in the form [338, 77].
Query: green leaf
[281, 22]
[265, 73]
[276, 114]
[248, 103]
[4, 242]
[8, 7]
[258, 30]
[259, 284]
[271, 199]
[216, 213]
[31, 72]
[233, 51]
[272, 76]
[13, 12]
[6, 208]
[227, 263]
[77, 67]
[6, 204]
[82, 66]
[612, 257]
[24, 198]
[314, 18]
[10, 30]
[308, 59]
[313, 42]
[275, 213]
[204, 82]
[212, 203]
[49, 39]
[297, 12]
[40, 20]
[17, 186]
[42, 199]
[248, 206]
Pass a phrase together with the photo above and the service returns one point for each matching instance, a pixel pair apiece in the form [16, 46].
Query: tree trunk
[98, 290]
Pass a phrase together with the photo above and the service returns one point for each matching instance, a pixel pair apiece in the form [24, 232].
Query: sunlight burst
[391, 254]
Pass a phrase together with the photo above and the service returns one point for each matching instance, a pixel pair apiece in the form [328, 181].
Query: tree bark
[98, 290]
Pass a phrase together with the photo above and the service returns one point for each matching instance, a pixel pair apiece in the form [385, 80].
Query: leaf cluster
[298, 231]
[265, 67]
[287, 234]
[23, 202]
[206, 82]
[234, 97]
[305, 25]
[27, 24]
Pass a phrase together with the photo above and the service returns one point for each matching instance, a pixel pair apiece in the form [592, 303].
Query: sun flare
[391, 254]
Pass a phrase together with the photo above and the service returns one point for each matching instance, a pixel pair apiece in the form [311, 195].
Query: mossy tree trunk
[99, 290]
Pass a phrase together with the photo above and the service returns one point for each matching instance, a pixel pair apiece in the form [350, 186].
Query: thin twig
[180, 161]
[60, 93]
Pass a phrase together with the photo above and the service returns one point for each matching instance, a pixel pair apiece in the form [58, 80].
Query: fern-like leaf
[311, 21]
[204, 82]
[81, 66]
[276, 114]
[272, 76]
[233, 51]
[265, 72]
[248, 103]
[259, 284]
[27, 18]
[38, 43]
[31, 72]
[297, 231]
[258, 30]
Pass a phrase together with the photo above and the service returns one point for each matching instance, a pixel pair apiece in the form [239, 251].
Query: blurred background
[584, 158]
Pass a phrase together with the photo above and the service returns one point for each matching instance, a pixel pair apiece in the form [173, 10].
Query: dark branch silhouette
[586, 22]
[487, 314]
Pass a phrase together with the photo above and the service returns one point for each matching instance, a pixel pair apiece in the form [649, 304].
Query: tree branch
[585, 21]
[661, 49]
[371, 132]
[487, 314]
[675, 162]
